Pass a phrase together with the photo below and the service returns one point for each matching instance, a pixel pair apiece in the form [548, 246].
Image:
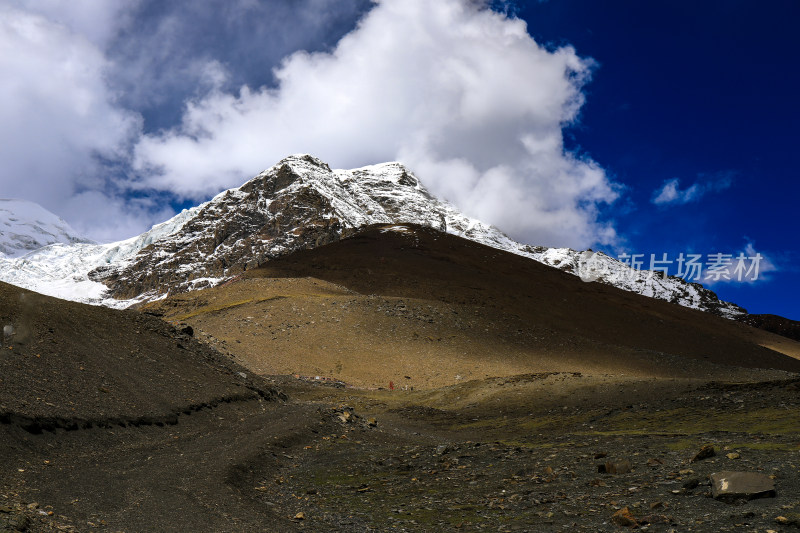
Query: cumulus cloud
[174, 50]
[77, 76]
[461, 94]
[99, 21]
[59, 117]
[670, 192]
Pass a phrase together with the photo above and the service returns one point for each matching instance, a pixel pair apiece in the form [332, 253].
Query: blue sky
[625, 126]
[706, 93]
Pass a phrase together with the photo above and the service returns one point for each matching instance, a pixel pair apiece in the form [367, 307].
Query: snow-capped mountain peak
[299, 203]
[27, 226]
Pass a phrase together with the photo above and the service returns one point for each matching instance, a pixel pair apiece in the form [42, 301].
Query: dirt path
[350, 460]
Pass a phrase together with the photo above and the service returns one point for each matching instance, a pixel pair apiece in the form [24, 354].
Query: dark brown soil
[90, 396]
[775, 324]
[69, 364]
[526, 462]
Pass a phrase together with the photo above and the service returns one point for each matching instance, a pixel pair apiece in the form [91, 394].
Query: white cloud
[461, 94]
[766, 263]
[99, 21]
[670, 192]
[745, 266]
[57, 113]
[163, 56]
[110, 217]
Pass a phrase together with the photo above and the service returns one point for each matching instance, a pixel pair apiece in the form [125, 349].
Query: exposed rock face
[240, 230]
[299, 203]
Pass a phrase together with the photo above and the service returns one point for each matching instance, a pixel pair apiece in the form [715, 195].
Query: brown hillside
[424, 309]
[72, 365]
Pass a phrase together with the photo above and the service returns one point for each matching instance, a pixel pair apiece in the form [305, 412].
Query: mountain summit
[300, 203]
[26, 226]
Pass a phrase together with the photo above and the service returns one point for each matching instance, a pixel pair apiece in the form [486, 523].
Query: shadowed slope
[72, 365]
[398, 301]
[774, 324]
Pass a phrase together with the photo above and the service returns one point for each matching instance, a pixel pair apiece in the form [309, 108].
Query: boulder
[615, 467]
[732, 486]
[704, 453]
[625, 518]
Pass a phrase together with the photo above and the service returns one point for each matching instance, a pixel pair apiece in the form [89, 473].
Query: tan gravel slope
[418, 308]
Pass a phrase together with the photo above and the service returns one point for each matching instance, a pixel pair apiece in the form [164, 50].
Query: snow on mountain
[298, 203]
[597, 266]
[62, 270]
[26, 226]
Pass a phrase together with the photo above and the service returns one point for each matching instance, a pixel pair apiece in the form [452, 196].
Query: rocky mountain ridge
[297, 204]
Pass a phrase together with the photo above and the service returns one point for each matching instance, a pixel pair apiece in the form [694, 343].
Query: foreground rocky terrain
[524, 454]
[402, 380]
[528, 455]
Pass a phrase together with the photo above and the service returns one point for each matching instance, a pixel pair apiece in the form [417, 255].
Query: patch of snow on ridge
[597, 266]
[396, 229]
